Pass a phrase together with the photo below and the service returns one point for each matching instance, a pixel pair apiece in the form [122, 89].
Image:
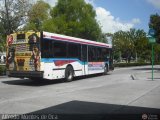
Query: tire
[105, 69]
[69, 74]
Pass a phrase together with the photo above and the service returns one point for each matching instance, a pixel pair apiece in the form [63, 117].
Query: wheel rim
[105, 70]
[70, 75]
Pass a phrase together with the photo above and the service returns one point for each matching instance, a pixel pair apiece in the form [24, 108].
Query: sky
[125, 14]
[115, 15]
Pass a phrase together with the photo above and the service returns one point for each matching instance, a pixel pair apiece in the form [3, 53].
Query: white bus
[44, 55]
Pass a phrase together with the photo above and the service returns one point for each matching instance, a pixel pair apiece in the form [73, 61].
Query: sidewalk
[3, 76]
[146, 75]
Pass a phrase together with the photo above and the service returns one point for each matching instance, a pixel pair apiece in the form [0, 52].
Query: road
[125, 90]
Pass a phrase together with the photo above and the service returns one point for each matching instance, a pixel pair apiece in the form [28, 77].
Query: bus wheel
[106, 69]
[69, 74]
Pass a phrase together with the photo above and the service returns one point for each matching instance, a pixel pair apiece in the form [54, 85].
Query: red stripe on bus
[72, 40]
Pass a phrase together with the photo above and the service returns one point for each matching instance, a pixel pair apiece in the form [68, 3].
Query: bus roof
[55, 36]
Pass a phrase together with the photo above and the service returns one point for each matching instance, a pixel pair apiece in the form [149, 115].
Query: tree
[155, 24]
[131, 44]
[138, 37]
[123, 44]
[2, 44]
[75, 18]
[107, 38]
[37, 15]
[12, 15]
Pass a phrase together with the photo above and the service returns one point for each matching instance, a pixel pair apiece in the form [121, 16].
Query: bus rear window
[20, 36]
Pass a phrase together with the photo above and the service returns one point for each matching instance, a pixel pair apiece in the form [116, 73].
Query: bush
[131, 64]
[2, 69]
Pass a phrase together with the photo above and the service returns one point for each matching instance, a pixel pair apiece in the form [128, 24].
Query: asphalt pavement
[125, 92]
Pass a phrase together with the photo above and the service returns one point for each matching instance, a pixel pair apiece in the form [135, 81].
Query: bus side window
[46, 48]
[60, 49]
[94, 54]
[99, 54]
[90, 54]
[105, 53]
[74, 50]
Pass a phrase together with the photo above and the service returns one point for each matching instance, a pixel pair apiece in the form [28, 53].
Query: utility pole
[152, 40]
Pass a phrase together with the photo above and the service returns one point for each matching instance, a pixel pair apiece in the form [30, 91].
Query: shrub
[131, 64]
[2, 69]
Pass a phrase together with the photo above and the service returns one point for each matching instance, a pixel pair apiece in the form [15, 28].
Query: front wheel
[69, 74]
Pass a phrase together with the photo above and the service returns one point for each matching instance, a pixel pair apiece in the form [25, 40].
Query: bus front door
[84, 59]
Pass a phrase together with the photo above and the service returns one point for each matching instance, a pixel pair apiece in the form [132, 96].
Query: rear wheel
[69, 74]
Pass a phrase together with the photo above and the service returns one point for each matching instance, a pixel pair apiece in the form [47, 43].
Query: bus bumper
[27, 74]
